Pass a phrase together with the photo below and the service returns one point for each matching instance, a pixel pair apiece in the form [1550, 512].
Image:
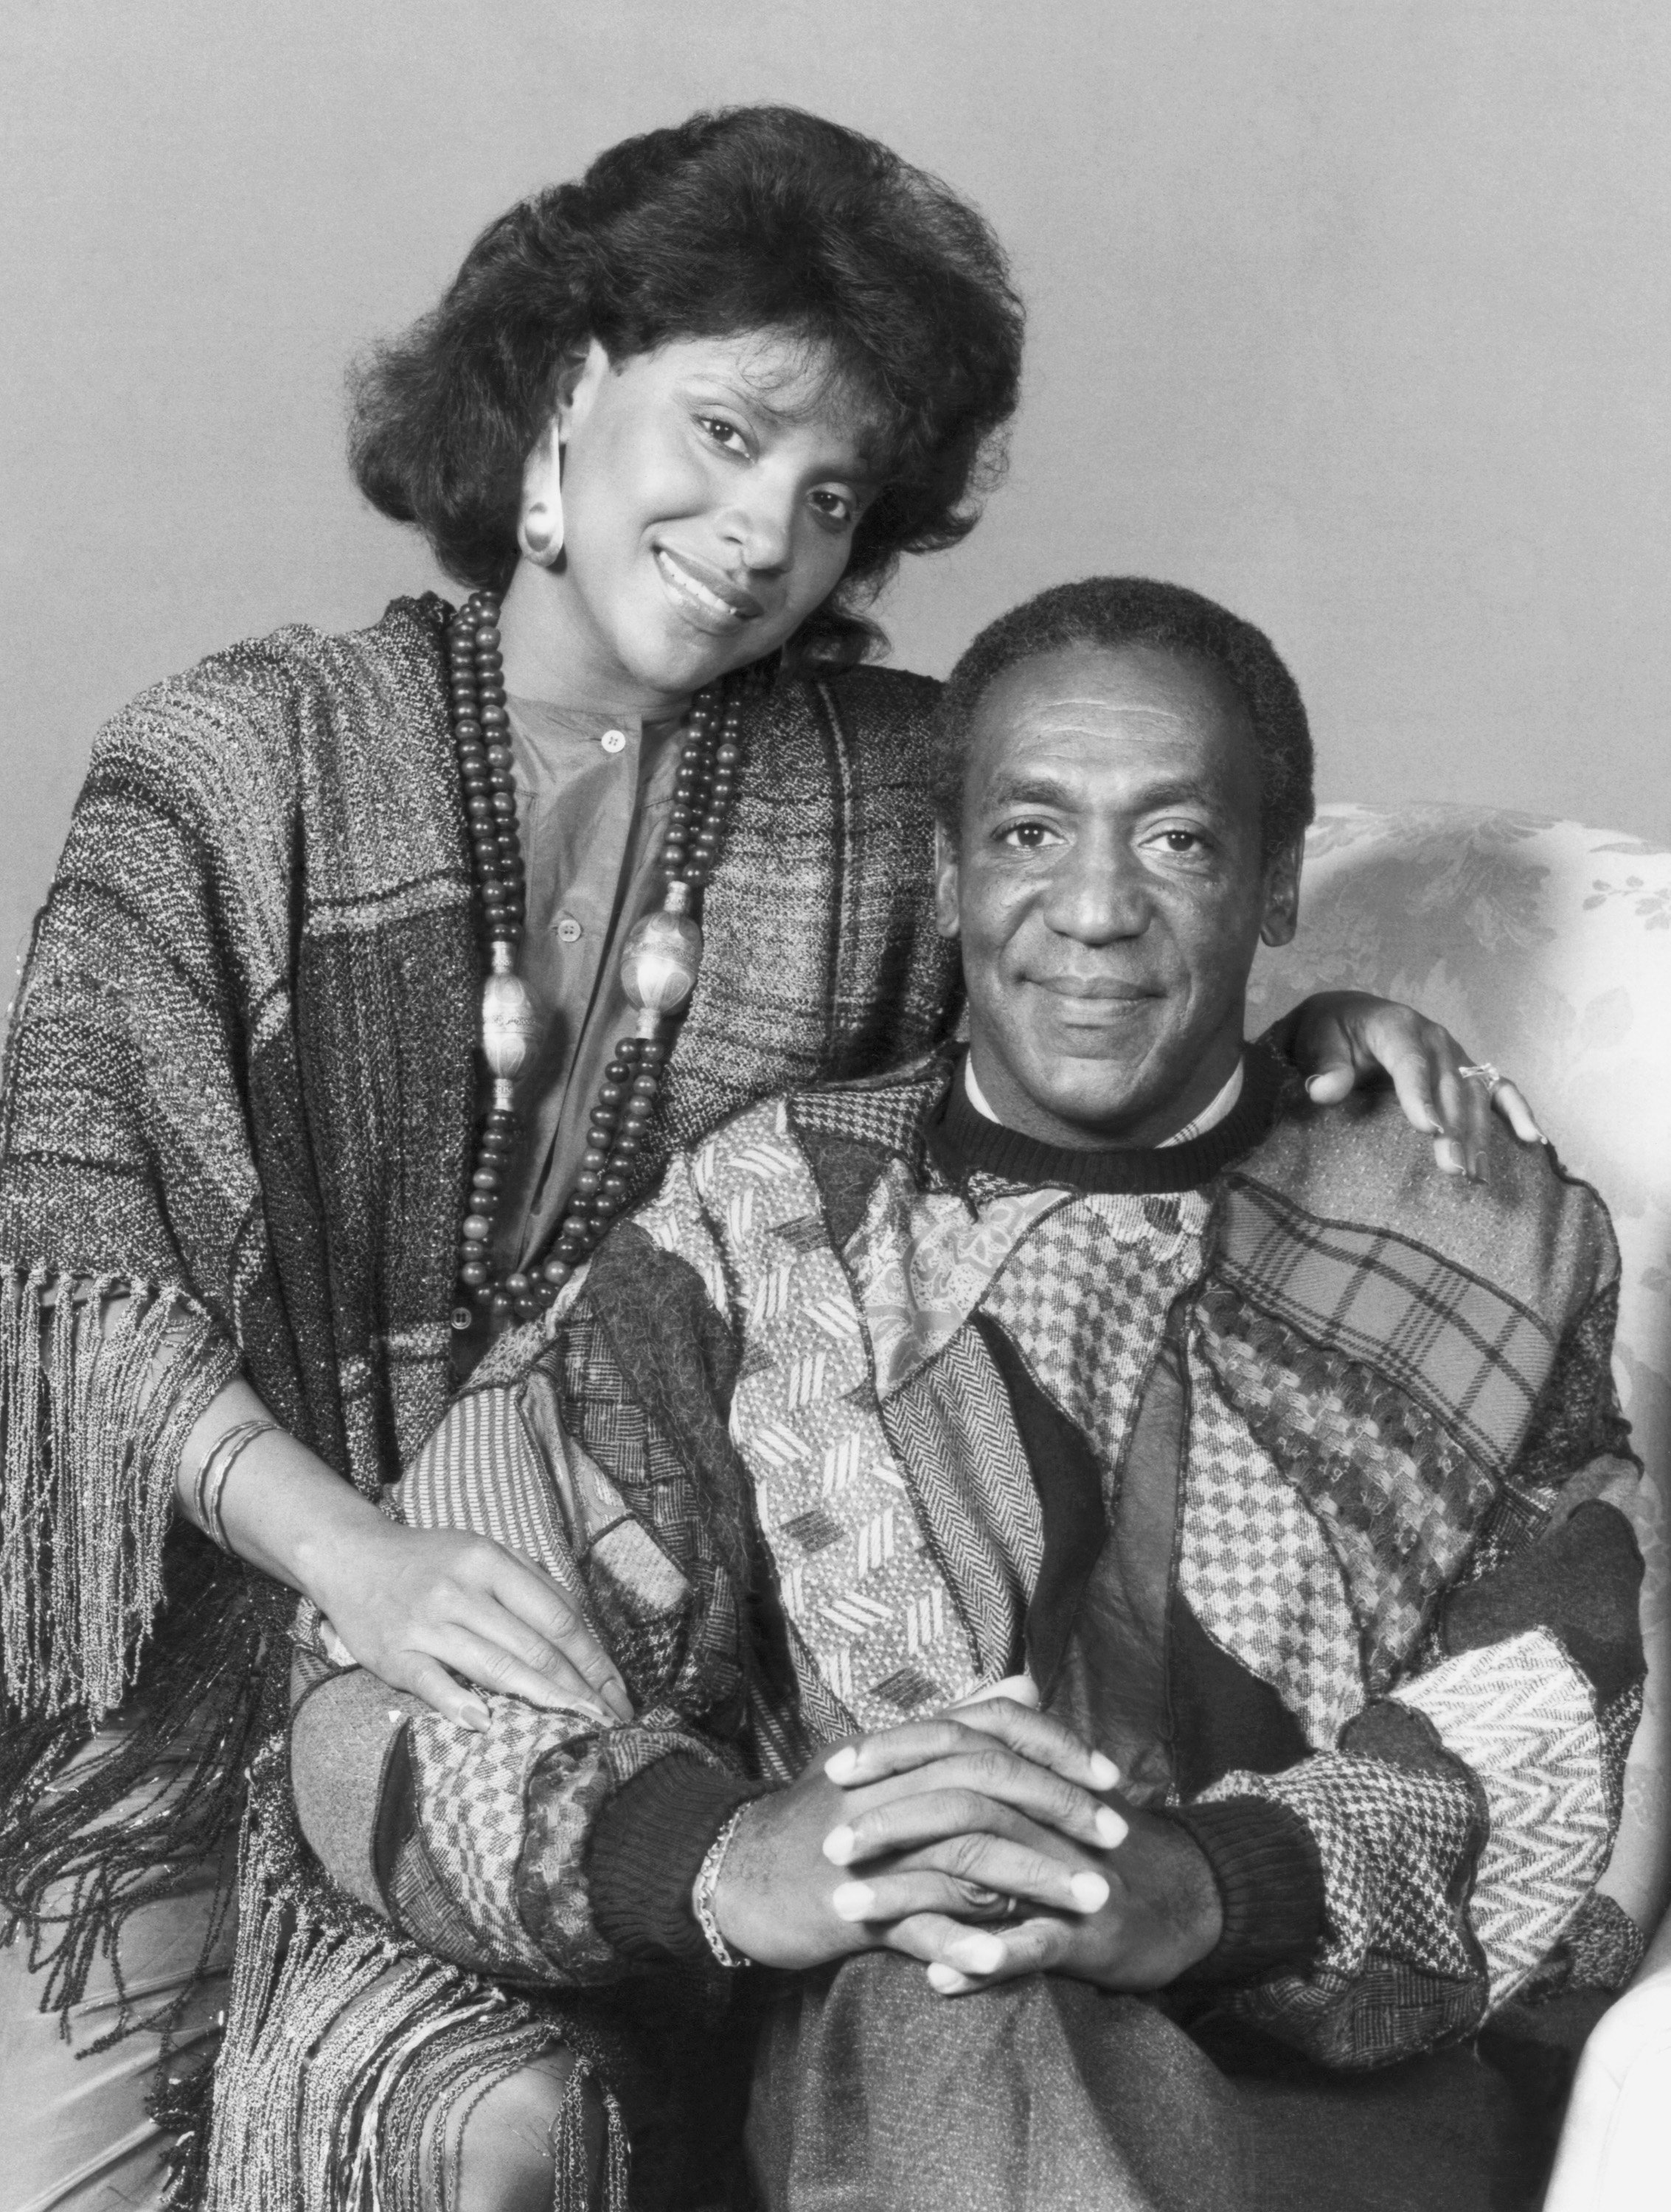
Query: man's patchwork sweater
[1289, 1467]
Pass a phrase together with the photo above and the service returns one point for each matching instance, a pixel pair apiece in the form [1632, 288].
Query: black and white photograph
[836, 1118]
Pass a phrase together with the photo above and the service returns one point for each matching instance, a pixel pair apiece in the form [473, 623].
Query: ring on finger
[1483, 1072]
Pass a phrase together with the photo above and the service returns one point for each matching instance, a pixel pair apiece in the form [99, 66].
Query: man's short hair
[1114, 612]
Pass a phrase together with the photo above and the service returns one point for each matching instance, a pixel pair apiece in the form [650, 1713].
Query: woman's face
[710, 493]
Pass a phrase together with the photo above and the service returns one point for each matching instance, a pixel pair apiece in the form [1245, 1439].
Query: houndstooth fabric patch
[470, 1791]
[887, 1111]
[1521, 1715]
[1084, 1297]
[1392, 1840]
[1258, 1571]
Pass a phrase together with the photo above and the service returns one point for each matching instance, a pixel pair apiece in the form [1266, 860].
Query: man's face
[1109, 890]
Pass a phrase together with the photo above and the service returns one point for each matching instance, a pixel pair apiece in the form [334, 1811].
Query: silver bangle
[701, 1892]
[218, 1463]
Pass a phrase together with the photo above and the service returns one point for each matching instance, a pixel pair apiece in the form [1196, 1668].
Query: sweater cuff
[1270, 1881]
[647, 1848]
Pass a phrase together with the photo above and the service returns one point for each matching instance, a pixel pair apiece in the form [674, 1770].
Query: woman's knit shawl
[239, 1096]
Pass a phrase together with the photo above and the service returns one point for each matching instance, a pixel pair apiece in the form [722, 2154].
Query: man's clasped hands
[919, 1838]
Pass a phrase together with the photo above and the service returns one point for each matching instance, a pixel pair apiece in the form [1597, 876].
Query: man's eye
[1183, 840]
[1027, 836]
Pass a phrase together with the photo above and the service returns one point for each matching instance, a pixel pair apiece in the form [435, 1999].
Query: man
[1272, 1478]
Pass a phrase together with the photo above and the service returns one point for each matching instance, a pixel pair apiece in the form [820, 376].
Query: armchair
[1547, 946]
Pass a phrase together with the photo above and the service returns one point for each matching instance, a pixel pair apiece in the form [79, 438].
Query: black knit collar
[962, 1140]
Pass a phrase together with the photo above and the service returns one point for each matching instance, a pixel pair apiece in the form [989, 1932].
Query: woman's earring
[539, 525]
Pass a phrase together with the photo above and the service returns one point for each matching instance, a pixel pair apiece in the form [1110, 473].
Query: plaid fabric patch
[1400, 1499]
[1084, 1296]
[1258, 1571]
[1521, 1715]
[1474, 1357]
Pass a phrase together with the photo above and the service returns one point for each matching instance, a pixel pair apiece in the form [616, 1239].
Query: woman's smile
[704, 594]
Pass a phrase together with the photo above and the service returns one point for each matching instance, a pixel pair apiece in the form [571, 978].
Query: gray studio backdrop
[1352, 312]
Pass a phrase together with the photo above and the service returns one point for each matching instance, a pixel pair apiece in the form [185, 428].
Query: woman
[685, 414]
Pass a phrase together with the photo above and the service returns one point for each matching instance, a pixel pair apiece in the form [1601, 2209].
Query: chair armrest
[1613, 2148]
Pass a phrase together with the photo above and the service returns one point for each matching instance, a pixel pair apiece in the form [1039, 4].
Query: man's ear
[945, 882]
[1282, 894]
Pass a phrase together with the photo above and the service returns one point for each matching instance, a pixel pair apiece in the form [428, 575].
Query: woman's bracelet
[217, 1465]
[701, 1892]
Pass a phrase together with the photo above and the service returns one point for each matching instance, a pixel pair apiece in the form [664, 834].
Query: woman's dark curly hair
[749, 218]
[1113, 612]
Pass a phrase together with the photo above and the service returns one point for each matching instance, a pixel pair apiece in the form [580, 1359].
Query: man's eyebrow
[1038, 787]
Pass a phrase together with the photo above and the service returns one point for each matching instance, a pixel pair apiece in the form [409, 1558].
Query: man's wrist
[1264, 1865]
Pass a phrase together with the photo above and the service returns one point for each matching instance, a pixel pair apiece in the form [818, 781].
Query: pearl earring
[539, 526]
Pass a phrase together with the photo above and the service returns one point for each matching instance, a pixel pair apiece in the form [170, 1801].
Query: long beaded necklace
[659, 963]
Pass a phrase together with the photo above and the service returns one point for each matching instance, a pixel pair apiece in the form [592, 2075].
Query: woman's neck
[556, 658]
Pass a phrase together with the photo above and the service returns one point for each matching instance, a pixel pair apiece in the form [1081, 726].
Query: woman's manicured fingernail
[475, 1717]
[614, 1697]
[1088, 1891]
[947, 1980]
[854, 1901]
[1476, 1167]
[977, 1954]
[1450, 1157]
[841, 1766]
[1110, 1828]
[1104, 1771]
[839, 1846]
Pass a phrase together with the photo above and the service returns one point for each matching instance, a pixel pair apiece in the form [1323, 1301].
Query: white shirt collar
[1208, 1118]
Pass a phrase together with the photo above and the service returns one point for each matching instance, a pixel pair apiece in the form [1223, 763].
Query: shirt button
[614, 741]
[568, 930]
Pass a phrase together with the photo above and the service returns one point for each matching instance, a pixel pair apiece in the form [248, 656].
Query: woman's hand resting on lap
[418, 1607]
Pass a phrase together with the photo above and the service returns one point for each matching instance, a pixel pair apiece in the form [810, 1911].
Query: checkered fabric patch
[1258, 1571]
[470, 1793]
[1084, 1296]
[1393, 1841]
[1474, 1357]
[1521, 1715]
[1400, 1499]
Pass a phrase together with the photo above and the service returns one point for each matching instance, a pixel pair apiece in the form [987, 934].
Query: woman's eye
[725, 435]
[833, 506]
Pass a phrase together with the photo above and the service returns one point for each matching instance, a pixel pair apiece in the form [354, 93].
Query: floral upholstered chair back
[1546, 948]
